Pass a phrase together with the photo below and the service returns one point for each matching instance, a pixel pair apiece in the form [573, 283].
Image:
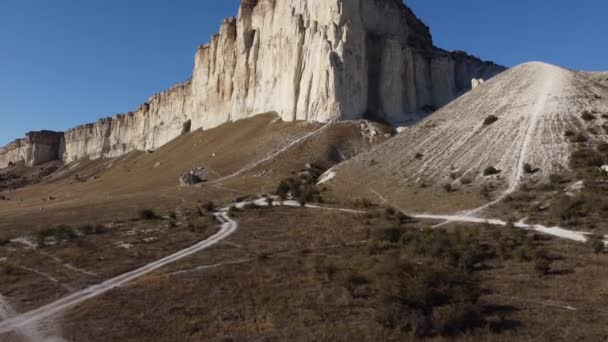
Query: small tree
[147, 214]
[490, 120]
[587, 116]
[529, 168]
[542, 263]
[490, 171]
[209, 206]
[596, 243]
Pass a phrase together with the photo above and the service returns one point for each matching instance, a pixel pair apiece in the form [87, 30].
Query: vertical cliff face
[36, 148]
[152, 125]
[314, 60]
[323, 60]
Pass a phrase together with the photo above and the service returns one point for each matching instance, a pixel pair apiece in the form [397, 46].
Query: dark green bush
[490, 171]
[569, 210]
[579, 137]
[209, 206]
[587, 116]
[89, 229]
[58, 233]
[529, 168]
[586, 157]
[363, 203]
[302, 189]
[490, 120]
[596, 243]
[542, 263]
[412, 296]
[147, 214]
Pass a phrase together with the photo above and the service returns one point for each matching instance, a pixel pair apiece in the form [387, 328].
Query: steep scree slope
[534, 103]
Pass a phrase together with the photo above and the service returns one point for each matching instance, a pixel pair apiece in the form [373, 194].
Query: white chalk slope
[535, 104]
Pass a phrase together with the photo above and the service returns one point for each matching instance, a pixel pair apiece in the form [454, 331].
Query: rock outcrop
[36, 148]
[314, 60]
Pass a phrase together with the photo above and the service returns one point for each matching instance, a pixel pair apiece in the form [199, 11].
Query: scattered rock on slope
[193, 177]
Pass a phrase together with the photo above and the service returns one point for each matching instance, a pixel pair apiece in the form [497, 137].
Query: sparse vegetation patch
[588, 116]
[302, 187]
[147, 214]
[490, 120]
[490, 171]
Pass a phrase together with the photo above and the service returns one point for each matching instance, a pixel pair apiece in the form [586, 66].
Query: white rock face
[34, 149]
[152, 125]
[314, 60]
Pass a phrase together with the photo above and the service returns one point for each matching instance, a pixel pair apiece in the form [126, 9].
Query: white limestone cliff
[36, 148]
[314, 60]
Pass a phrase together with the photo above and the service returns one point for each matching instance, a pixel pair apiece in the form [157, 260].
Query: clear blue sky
[68, 62]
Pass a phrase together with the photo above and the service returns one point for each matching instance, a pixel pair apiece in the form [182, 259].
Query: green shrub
[587, 116]
[363, 203]
[569, 210]
[596, 243]
[209, 206]
[542, 263]
[490, 120]
[411, 298]
[58, 233]
[513, 243]
[586, 157]
[448, 187]
[579, 137]
[529, 168]
[392, 235]
[89, 229]
[147, 214]
[8, 269]
[556, 179]
[490, 171]
[301, 189]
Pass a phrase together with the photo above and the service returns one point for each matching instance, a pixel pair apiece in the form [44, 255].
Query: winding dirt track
[21, 322]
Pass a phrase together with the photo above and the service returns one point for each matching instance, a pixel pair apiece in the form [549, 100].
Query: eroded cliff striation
[314, 60]
[36, 148]
[152, 125]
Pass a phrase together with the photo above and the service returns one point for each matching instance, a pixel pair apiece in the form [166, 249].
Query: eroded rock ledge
[314, 60]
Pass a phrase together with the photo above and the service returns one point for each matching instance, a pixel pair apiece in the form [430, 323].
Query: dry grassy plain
[286, 273]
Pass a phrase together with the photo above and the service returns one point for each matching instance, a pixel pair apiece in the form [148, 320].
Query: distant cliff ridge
[315, 60]
[36, 148]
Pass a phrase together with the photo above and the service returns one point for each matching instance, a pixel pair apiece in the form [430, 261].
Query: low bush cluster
[147, 214]
[490, 171]
[596, 243]
[427, 300]
[588, 116]
[490, 120]
[56, 235]
[302, 187]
